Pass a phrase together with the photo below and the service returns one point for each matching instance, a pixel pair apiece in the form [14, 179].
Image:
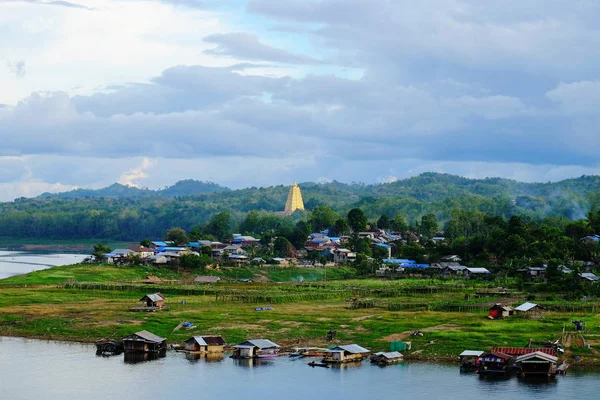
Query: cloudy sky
[261, 92]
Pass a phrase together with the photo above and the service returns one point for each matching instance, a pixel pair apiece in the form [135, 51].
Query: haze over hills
[121, 212]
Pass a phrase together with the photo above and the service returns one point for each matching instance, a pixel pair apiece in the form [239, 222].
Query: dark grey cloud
[246, 46]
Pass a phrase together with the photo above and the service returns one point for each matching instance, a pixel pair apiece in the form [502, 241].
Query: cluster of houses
[449, 265]
[538, 273]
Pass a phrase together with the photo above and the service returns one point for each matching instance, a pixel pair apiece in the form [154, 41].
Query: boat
[109, 346]
[316, 364]
[308, 352]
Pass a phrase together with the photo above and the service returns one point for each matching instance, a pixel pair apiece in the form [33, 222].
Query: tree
[192, 261]
[384, 222]
[323, 217]
[177, 236]
[146, 243]
[283, 248]
[300, 235]
[429, 225]
[100, 251]
[400, 223]
[357, 220]
[219, 225]
[340, 228]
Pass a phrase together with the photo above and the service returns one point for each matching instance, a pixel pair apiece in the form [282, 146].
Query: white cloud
[133, 176]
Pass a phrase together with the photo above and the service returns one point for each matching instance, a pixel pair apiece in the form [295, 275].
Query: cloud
[59, 3]
[133, 176]
[246, 46]
[17, 68]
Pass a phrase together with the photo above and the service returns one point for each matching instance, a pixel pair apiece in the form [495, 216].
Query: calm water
[19, 262]
[33, 369]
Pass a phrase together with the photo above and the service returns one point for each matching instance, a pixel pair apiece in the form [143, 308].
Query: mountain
[186, 187]
[126, 213]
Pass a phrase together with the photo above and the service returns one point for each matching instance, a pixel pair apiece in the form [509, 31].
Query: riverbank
[452, 315]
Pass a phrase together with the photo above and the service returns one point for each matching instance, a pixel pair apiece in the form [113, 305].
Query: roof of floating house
[207, 340]
[517, 351]
[149, 336]
[260, 343]
[390, 354]
[351, 348]
[471, 353]
[537, 354]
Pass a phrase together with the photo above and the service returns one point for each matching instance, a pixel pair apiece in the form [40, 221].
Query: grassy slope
[50, 312]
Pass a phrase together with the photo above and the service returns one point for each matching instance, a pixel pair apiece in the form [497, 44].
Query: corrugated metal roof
[153, 297]
[471, 353]
[478, 270]
[352, 348]
[517, 351]
[537, 354]
[207, 340]
[390, 354]
[149, 336]
[260, 343]
[526, 306]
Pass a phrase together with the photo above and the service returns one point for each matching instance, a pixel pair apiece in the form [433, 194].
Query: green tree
[100, 252]
[283, 248]
[340, 228]
[146, 243]
[384, 222]
[323, 217]
[193, 261]
[357, 220]
[400, 223]
[177, 236]
[429, 225]
[220, 226]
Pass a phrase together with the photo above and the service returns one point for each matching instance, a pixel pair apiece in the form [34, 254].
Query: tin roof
[390, 354]
[537, 354]
[351, 348]
[153, 297]
[207, 279]
[471, 353]
[517, 351]
[498, 354]
[526, 306]
[207, 340]
[149, 336]
[260, 343]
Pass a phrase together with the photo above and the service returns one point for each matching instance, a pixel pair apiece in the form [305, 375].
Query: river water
[23, 262]
[45, 370]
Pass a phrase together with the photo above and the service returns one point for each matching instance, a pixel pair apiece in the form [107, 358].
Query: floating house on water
[256, 348]
[205, 344]
[537, 364]
[384, 358]
[496, 364]
[144, 342]
[469, 360]
[347, 353]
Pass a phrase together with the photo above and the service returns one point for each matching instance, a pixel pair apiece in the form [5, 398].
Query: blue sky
[262, 92]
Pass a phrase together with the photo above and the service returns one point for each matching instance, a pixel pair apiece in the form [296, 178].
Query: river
[22, 262]
[46, 370]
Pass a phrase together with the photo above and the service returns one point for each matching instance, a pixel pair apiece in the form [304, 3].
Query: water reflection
[136, 358]
[251, 362]
[208, 357]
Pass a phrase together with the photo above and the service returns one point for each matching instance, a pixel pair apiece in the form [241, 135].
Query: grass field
[450, 315]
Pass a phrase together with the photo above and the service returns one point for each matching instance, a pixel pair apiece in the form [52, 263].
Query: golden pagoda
[294, 201]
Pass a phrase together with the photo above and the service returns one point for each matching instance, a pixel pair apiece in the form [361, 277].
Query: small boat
[109, 346]
[316, 364]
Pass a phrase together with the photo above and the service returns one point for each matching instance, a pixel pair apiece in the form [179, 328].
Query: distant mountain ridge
[187, 187]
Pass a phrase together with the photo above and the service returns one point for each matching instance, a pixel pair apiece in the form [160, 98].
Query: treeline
[134, 218]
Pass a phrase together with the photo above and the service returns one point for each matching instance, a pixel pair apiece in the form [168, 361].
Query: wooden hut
[347, 353]
[499, 311]
[529, 309]
[385, 358]
[537, 364]
[144, 342]
[256, 348]
[154, 300]
[205, 344]
[496, 363]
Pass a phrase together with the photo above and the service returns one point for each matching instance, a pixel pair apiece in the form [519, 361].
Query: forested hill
[187, 187]
[115, 213]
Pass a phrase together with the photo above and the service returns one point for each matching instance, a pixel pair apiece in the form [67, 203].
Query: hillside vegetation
[123, 213]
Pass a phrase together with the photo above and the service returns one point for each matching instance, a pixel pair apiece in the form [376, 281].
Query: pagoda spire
[294, 201]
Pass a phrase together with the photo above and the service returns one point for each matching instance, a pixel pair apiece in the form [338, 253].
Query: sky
[265, 92]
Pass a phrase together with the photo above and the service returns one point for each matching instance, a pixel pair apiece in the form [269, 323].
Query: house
[158, 259]
[142, 251]
[346, 353]
[496, 363]
[117, 255]
[154, 300]
[343, 256]
[454, 270]
[144, 342]
[384, 358]
[256, 348]
[234, 249]
[281, 261]
[588, 276]
[592, 239]
[476, 272]
[518, 351]
[451, 258]
[205, 344]
[207, 279]
[528, 308]
[238, 258]
[469, 360]
[537, 364]
[499, 311]
[257, 261]
[157, 244]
